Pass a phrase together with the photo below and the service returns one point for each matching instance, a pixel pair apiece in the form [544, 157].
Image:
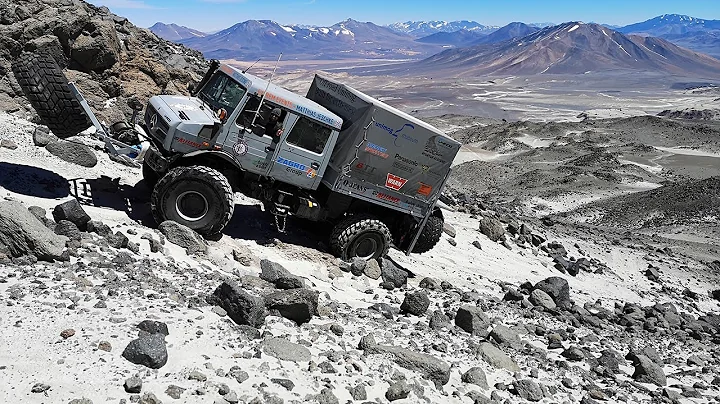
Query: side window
[309, 135]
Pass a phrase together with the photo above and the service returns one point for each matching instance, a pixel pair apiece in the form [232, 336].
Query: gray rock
[430, 284]
[397, 391]
[283, 349]
[449, 229]
[42, 136]
[558, 289]
[21, 233]
[292, 282]
[372, 269]
[68, 229]
[647, 371]
[71, 211]
[475, 376]
[492, 228]
[574, 354]
[542, 299]
[358, 392]
[392, 274]
[238, 374]
[242, 307]
[647, 351]
[415, 303]
[73, 153]
[473, 320]
[505, 336]
[337, 329]
[183, 236]
[430, 367]
[438, 320]
[528, 390]
[133, 385]
[298, 305]
[497, 358]
[81, 401]
[197, 376]
[326, 396]
[149, 398]
[40, 388]
[287, 383]
[326, 367]
[610, 360]
[148, 350]
[98, 47]
[118, 240]
[8, 144]
[174, 391]
[272, 271]
[357, 266]
[98, 227]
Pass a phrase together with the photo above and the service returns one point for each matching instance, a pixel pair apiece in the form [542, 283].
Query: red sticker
[425, 189]
[395, 182]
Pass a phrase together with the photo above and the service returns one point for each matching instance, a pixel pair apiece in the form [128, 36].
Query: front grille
[162, 126]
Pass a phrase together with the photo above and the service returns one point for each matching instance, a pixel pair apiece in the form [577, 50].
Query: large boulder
[22, 233]
[278, 275]
[241, 307]
[647, 371]
[393, 274]
[73, 212]
[497, 358]
[473, 320]
[298, 305]
[283, 349]
[492, 228]
[415, 303]
[147, 350]
[183, 236]
[73, 153]
[558, 289]
[97, 48]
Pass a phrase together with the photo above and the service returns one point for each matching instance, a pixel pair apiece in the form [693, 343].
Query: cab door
[252, 149]
[302, 153]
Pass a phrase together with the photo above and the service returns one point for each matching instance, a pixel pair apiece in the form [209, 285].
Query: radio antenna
[265, 92]
[246, 70]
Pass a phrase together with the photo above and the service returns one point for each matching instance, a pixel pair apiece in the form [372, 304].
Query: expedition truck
[339, 156]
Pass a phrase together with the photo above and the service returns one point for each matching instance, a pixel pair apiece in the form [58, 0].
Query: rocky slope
[109, 58]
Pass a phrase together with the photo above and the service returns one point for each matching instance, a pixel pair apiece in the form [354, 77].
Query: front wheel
[362, 236]
[198, 197]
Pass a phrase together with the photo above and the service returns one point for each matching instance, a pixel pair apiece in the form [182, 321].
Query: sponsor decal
[395, 182]
[442, 142]
[432, 152]
[240, 148]
[401, 133]
[364, 168]
[402, 167]
[354, 186]
[424, 189]
[190, 143]
[385, 197]
[406, 160]
[379, 151]
[261, 164]
[308, 171]
[301, 109]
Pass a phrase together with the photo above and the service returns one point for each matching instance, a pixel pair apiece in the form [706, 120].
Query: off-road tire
[149, 175]
[210, 183]
[353, 229]
[429, 235]
[46, 87]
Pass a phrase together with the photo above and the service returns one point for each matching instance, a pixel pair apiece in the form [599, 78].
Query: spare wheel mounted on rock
[46, 87]
[362, 236]
[198, 197]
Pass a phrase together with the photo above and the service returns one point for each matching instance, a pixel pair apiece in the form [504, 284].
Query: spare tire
[46, 87]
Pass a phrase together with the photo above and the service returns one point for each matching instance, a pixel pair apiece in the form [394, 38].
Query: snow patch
[574, 28]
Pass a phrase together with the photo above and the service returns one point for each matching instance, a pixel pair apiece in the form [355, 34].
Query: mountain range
[654, 44]
[571, 48]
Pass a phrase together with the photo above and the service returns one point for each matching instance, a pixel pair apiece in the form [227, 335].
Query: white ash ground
[159, 285]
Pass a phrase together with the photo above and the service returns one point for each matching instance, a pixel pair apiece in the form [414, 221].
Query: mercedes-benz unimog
[337, 155]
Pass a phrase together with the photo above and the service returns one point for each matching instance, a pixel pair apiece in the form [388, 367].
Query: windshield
[222, 92]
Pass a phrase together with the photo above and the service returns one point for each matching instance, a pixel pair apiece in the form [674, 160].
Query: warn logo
[395, 182]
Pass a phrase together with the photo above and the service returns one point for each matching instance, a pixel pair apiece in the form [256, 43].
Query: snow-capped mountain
[690, 32]
[347, 38]
[572, 48]
[174, 32]
[421, 29]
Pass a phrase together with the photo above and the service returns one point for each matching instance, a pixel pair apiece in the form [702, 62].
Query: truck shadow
[250, 222]
[106, 192]
[33, 181]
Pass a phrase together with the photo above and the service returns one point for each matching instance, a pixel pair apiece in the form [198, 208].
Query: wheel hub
[366, 247]
[191, 206]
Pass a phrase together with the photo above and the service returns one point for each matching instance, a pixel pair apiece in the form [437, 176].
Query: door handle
[268, 150]
[315, 165]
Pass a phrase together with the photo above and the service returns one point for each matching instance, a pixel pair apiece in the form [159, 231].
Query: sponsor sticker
[354, 186]
[402, 167]
[377, 150]
[402, 133]
[425, 189]
[240, 148]
[191, 143]
[298, 167]
[406, 160]
[385, 197]
[395, 182]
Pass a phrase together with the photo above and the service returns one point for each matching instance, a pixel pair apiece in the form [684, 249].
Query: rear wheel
[46, 87]
[198, 197]
[429, 235]
[362, 236]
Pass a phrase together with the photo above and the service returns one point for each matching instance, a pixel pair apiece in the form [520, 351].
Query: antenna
[246, 70]
[257, 112]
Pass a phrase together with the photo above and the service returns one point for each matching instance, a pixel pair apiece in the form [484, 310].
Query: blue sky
[212, 15]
